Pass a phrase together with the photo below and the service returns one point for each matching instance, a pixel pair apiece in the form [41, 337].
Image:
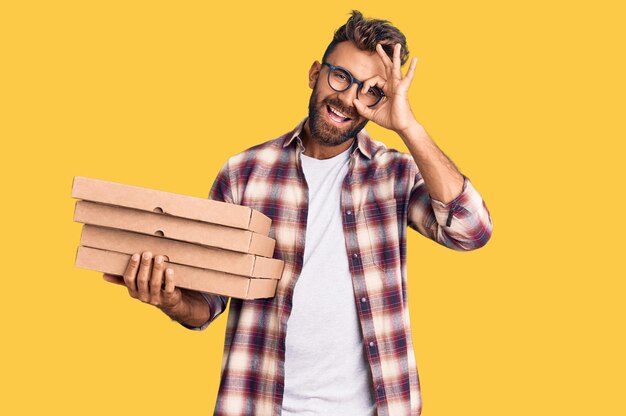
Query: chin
[326, 134]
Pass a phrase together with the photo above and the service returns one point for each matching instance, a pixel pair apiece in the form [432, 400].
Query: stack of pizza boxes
[211, 246]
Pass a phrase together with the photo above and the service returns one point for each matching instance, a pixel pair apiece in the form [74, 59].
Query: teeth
[337, 112]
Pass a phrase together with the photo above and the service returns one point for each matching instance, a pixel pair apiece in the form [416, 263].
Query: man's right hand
[150, 282]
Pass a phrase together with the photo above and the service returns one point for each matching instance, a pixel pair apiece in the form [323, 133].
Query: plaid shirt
[382, 193]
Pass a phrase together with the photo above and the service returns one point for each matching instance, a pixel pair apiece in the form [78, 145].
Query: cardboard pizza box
[171, 204]
[128, 242]
[175, 228]
[188, 277]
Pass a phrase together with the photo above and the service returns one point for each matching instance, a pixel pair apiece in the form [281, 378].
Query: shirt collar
[364, 142]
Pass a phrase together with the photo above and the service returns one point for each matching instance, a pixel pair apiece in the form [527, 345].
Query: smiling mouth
[336, 115]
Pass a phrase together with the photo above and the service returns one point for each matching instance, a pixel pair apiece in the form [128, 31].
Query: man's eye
[340, 76]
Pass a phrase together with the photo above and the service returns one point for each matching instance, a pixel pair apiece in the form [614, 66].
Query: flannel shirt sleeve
[462, 224]
[220, 191]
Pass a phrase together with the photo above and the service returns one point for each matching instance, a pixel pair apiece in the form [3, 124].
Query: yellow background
[527, 98]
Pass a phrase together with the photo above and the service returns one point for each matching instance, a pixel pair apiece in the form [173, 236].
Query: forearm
[442, 178]
[194, 311]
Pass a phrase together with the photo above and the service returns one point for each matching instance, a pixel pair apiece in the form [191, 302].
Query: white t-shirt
[326, 371]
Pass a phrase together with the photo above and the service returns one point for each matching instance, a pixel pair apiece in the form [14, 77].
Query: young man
[336, 338]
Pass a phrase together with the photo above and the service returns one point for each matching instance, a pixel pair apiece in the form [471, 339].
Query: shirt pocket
[381, 220]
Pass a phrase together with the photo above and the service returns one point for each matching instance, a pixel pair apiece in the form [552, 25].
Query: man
[336, 338]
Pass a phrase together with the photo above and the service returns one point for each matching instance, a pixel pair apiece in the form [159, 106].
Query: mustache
[350, 112]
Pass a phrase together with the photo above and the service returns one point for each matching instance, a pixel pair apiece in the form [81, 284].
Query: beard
[325, 133]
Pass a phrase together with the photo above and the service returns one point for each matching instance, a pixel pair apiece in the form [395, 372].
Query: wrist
[179, 312]
[192, 310]
[411, 131]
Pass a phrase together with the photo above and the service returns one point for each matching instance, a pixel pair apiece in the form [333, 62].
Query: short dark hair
[366, 33]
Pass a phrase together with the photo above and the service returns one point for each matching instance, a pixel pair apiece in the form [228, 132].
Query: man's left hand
[394, 112]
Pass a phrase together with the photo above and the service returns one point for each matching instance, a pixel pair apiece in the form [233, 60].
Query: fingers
[169, 283]
[377, 81]
[397, 72]
[143, 277]
[156, 280]
[171, 294]
[383, 55]
[394, 67]
[130, 275]
[362, 109]
[411, 71]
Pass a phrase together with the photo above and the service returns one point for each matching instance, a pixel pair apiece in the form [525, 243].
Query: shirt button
[349, 212]
[371, 344]
[355, 255]
[363, 300]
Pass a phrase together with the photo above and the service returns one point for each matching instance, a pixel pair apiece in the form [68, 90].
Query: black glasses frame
[353, 80]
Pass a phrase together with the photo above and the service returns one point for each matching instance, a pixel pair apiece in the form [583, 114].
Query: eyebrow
[352, 73]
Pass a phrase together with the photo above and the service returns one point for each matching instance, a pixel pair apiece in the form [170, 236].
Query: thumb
[362, 109]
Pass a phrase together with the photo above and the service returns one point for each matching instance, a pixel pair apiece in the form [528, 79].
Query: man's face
[327, 127]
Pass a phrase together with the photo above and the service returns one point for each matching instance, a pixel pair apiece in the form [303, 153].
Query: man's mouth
[336, 115]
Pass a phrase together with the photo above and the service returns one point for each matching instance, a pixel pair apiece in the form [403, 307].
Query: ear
[314, 73]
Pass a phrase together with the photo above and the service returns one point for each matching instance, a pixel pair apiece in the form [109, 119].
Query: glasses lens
[339, 80]
[371, 97]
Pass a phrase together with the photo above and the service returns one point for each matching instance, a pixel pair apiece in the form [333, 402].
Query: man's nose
[348, 96]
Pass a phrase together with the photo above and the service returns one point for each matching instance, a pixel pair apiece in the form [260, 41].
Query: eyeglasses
[340, 79]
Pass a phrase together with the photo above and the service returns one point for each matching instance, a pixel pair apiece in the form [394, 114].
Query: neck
[316, 150]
